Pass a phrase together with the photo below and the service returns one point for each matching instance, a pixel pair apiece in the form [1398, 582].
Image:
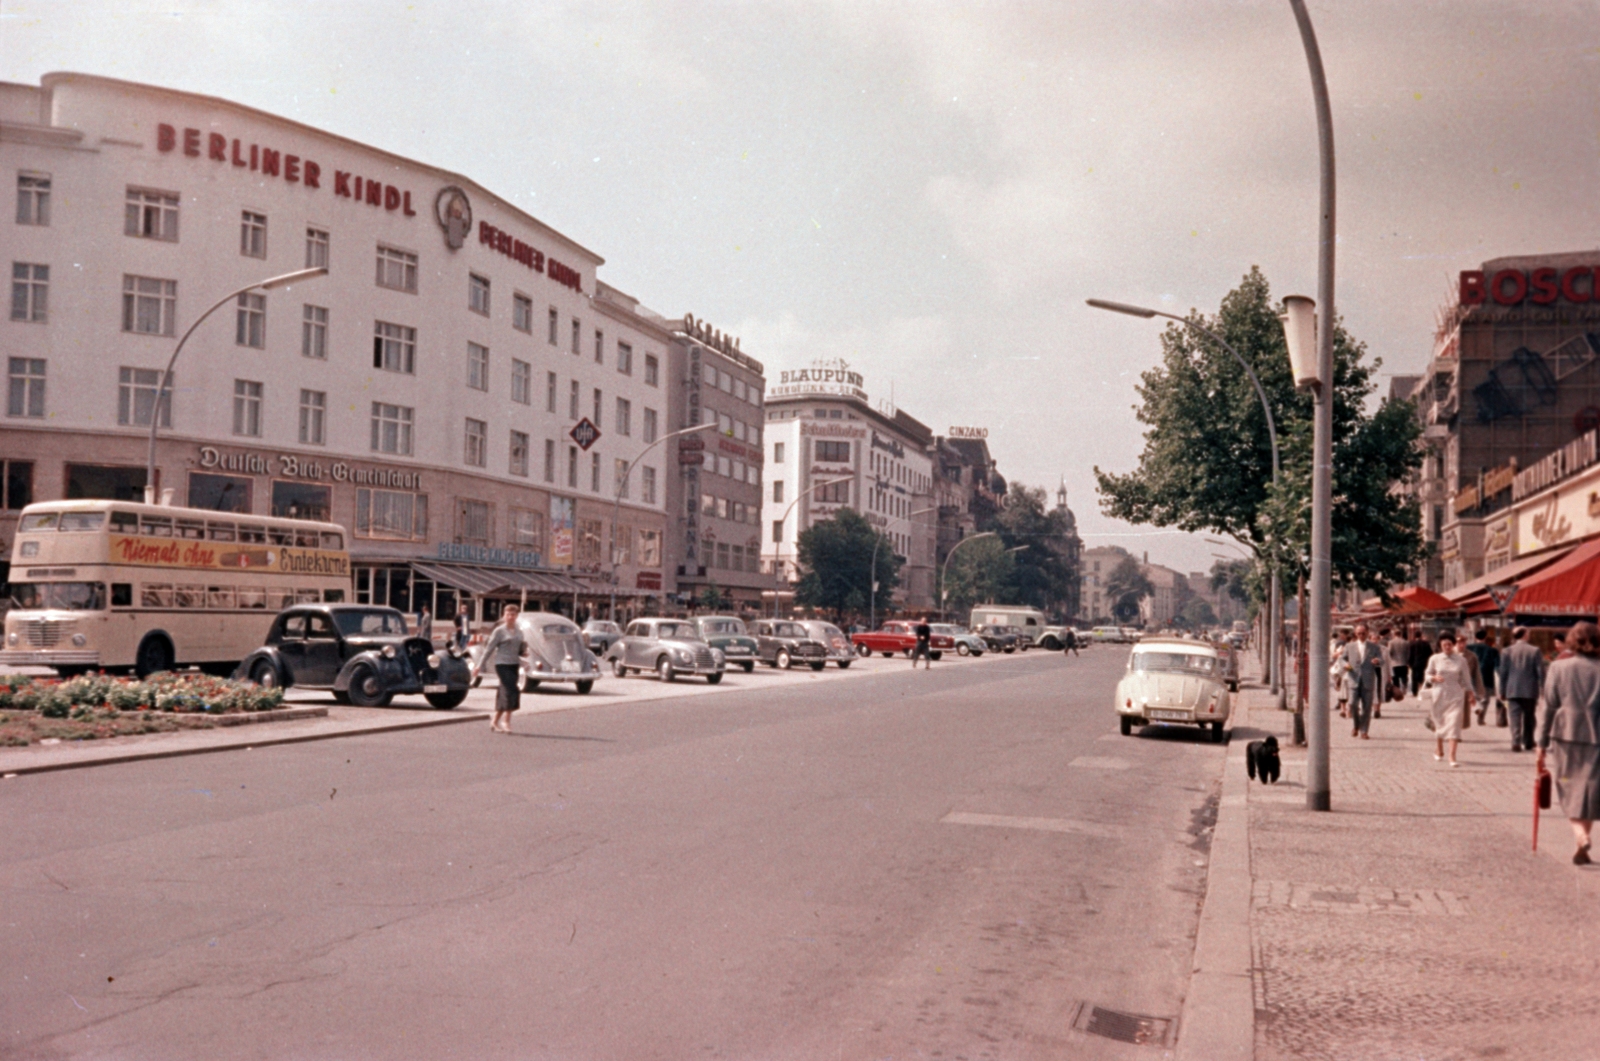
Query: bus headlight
[388, 652]
[11, 638]
[79, 640]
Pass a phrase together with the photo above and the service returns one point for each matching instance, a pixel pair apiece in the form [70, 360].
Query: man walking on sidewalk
[1521, 678]
[1421, 653]
[1488, 666]
[1366, 672]
[1399, 650]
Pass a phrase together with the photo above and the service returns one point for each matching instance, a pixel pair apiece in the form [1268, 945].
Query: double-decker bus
[108, 585]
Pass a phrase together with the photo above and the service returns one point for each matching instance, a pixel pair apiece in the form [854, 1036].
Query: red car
[899, 636]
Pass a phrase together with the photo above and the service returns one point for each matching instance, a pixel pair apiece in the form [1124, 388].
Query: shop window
[301, 500]
[105, 482]
[17, 484]
[221, 493]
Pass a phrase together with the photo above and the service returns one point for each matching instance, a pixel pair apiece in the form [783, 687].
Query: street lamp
[1275, 596]
[166, 377]
[945, 567]
[777, 555]
[872, 606]
[616, 506]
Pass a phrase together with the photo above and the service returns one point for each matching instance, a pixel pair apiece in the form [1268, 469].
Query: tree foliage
[1042, 575]
[981, 572]
[1197, 614]
[836, 561]
[1126, 586]
[1207, 461]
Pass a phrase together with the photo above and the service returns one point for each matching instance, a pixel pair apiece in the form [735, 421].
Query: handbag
[1500, 719]
[1541, 800]
[1428, 696]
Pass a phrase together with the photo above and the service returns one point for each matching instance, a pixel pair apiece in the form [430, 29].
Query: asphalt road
[950, 864]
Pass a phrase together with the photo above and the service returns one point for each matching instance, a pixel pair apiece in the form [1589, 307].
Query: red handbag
[1541, 800]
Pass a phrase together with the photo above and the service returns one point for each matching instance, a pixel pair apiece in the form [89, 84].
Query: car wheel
[819, 664]
[844, 664]
[155, 654]
[618, 669]
[963, 650]
[447, 701]
[366, 688]
[664, 669]
[935, 655]
[583, 687]
[713, 679]
[1127, 726]
[1010, 649]
[749, 668]
[341, 697]
[264, 674]
[863, 651]
[782, 660]
[1216, 733]
[888, 655]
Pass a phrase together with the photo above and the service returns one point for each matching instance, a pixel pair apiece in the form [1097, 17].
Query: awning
[1418, 600]
[1511, 572]
[1570, 586]
[485, 580]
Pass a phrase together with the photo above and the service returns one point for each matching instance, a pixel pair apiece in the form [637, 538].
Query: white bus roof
[175, 511]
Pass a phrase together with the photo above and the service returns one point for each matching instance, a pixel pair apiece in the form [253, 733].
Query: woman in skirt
[504, 651]
[1451, 684]
[1569, 726]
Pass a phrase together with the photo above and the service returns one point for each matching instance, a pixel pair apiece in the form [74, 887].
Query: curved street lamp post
[777, 556]
[166, 377]
[945, 568]
[616, 505]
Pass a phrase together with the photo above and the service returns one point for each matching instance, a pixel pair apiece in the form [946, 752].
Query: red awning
[1414, 601]
[1571, 586]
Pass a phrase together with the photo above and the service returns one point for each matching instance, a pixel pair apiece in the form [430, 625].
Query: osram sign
[1542, 286]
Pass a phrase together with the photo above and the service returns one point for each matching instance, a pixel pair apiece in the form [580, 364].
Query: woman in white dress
[1451, 681]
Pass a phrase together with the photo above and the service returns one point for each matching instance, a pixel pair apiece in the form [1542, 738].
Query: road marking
[1100, 762]
[1046, 825]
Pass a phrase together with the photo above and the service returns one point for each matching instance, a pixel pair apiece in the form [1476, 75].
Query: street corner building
[459, 389]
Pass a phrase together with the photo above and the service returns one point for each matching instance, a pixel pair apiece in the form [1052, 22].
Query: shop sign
[832, 430]
[826, 376]
[700, 331]
[1551, 522]
[293, 466]
[585, 434]
[1541, 286]
[561, 531]
[969, 432]
[742, 452]
[453, 210]
[647, 580]
[1497, 536]
[1555, 466]
[477, 554]
[888, 445]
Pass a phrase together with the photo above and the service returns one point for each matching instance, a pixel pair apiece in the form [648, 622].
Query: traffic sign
[585, 434]
[1502, 594]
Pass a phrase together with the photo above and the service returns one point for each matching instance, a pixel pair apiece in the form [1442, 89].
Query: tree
[1197, 614]
[1207, 462]
[837, 566]
[1126, 586]
[1045, 574]
[980, 573]
[713, 599]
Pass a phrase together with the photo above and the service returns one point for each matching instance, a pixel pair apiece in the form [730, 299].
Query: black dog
[1261, 760]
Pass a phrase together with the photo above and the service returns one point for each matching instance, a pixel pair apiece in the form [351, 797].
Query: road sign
[1502, 595]
[585, 434]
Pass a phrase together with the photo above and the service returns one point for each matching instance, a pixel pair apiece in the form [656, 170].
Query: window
[25, 391]
[519, 453]
[477, 367]
[625, 359]
[833, 451]
[397, 269]
[597, 401]
[30, 292]
[777, 453]
[834, 493]
[652, 370]
[314, 332]
[624, 421]
[621, 539]
[391, 429]
[109, 482]
[391, 514]
[476, 443]
[16, 479]
[649, 548]
[478, 293]
[524, 529]
[149, 306]
[708, 505]
[572, 467]
[722, 555]
[251, 329]
[777, 530]
[151, 215]
[577, 334]
[549, 460]
[33, 199]
[316, 248]
[622, 479]
[550, 392]
[649, 425]
[136, 397]
[522, 313]
[555, 319]
[253, 235]
[724, 466]
[594, 472]
[722, 508]
[247, 408]
[521, 382]
[599, 347]
[777, 491]
[474, 525]
[590, 538]
[394, 347]
[647, 485]
[572, 401]
[313, 408]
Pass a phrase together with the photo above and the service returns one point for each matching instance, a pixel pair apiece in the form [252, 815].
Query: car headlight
[388, 652]
[683, 655]
[11, 638]
[434, 660]
[79, 640]
[718, 655]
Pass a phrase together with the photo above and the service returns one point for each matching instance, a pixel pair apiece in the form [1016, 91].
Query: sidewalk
[1412, 921]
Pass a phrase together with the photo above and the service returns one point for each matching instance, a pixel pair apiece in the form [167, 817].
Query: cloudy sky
[931, 190]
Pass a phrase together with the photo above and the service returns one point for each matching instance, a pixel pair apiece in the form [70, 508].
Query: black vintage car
[1002, 638]
[781, 643]
[362, 653]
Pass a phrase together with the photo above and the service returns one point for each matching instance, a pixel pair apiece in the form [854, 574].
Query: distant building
[1171, 593]
[1094, 604]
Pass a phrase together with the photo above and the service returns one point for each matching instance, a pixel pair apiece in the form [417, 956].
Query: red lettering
[313, 174]
[1572, 294]
[238, 159]
[1472, 293]
[255, 157]
[291, 168]
[341, 182]
[538, 261]
[218, 147]
[391, 197]
[374, 192]
[1519, 287]
[166, 137]
[485, 232]
[191, 142]
[1543, 283]
[269, 162]
[407, 208]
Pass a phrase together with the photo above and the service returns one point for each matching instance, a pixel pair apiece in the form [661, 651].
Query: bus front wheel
[155, 654]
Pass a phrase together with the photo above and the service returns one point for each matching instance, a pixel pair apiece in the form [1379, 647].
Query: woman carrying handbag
[1447, 681]
[1569, 728]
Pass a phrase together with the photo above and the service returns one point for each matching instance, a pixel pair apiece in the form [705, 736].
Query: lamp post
[872, 580]
[616, 505]
[945, 567]
[166, 377]
[1275, 596]
[777, 556]
[1316, 371]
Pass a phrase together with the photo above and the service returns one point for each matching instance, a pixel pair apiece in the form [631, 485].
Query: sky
[931, 190]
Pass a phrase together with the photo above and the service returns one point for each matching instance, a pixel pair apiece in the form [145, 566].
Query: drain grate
[1133, 1028]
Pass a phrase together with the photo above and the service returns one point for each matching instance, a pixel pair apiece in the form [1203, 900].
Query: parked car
[1229, 657]
[899, 635]
[1002, 638]
[556, 652]
[361, 652]
[728, 633]
[1175, 680]
[599, 635]
[780, 642]
[840, 650]
[966, 642]
[1053, 638]
[669, 647]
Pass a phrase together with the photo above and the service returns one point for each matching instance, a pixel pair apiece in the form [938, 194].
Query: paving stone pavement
[1413, 921]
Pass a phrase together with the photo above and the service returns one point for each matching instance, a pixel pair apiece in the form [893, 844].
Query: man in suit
[1366, 675]
[1421, 652]
[1522, 670]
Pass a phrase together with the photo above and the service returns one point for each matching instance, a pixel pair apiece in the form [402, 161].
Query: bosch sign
[1542, 286]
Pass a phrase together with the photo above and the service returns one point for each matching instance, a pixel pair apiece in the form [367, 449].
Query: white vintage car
[556, 653]
[1171, 679]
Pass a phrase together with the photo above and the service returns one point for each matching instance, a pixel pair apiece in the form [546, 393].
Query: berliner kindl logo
[455, 215]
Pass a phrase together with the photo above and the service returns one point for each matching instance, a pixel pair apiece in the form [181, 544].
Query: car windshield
[1188, 662]
[65, 596]
[596, 628]
[722, 626]
[375, 621]
[829, 630]
[679, 630]
[788, 630]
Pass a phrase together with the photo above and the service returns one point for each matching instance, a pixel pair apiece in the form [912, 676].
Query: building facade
[459, 389]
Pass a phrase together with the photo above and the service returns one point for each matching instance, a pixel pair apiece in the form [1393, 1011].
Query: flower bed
[94, 705]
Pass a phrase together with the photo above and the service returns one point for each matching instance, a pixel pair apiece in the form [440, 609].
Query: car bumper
[49, 657]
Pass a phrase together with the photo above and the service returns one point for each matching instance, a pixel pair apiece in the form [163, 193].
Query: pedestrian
[425, 624]
[1569, 726]
[463, 623]
[1365, 660]
[1474, 672]
[1399, 650]
[1072, 641]
[924, 647]
[1448, 677]
[1420, 652]
[1488, 666]
[504, 651]
[1339, 674]
[1522, 672]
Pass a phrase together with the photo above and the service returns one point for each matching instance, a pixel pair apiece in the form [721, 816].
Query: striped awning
[483, 581]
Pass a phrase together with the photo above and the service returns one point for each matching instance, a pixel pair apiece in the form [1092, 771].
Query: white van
[1030, 621]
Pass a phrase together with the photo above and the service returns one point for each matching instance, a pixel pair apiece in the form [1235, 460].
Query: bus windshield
[377, 621]
[64, 596]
